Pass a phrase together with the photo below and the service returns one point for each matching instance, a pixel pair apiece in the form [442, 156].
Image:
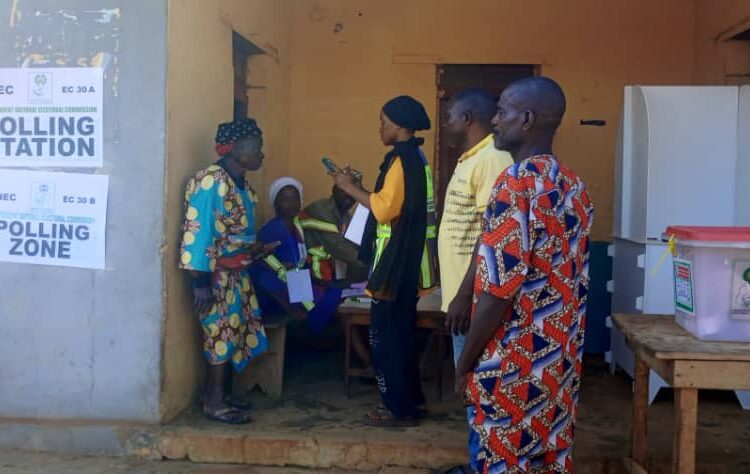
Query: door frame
[441, 186]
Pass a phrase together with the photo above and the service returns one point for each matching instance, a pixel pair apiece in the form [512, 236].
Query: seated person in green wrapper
[325, 221]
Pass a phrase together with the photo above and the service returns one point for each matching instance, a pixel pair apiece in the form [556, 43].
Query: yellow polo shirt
[465, 201]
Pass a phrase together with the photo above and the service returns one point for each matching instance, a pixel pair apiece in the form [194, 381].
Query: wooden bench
[267, 372]
[685, 363]
[429, 317]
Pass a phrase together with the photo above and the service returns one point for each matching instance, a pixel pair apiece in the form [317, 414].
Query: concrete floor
[17, 462]
[315, 425]
[315, 428]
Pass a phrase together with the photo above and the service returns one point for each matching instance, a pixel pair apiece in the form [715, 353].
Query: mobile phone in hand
[330, 165]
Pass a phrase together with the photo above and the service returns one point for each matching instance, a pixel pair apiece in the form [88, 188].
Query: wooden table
[429, 316]
[687, 364]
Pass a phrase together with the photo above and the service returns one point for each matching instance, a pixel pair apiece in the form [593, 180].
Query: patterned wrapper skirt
[232, 329]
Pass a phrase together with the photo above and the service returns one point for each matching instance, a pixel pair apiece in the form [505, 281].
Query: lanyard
[297, 248]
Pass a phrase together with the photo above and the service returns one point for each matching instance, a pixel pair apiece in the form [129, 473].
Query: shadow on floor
[314, 425]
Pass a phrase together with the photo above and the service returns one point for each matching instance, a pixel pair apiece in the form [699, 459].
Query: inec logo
[43, 196]
[40, 87]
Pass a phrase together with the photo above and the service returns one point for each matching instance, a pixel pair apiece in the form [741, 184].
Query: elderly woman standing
[218, 245]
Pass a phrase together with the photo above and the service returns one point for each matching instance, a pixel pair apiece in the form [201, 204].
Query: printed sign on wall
[53, 218]
[51, 117]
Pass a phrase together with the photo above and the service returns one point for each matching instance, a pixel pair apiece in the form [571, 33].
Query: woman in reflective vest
[270, 276]
[399, 243]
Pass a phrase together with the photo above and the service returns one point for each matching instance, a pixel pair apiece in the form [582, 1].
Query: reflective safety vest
[308, 222]
[281, 270]
[429, 254]
[321, 262]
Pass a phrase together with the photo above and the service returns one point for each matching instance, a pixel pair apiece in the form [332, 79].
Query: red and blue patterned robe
[534, 252]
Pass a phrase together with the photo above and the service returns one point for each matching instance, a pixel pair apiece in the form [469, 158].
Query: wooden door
[453, 78]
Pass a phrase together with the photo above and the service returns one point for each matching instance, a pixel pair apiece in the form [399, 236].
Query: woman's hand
[351, 185]
[345, 180]
[203, 299]
[259, 250]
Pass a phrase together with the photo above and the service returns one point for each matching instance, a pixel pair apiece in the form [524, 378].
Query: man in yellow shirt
[468, 128]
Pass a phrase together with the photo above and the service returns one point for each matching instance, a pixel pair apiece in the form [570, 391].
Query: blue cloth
[267, 282]
[475, 443]
[266, 279]
[458, 346]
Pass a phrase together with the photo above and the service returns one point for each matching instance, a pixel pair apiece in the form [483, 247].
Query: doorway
[242, 49]
[737, 60]
[453, 78]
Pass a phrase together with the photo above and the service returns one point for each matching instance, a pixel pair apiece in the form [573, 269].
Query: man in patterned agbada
[218, 246]
[520, 370]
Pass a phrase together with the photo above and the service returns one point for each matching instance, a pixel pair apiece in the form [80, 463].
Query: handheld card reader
[330, 165]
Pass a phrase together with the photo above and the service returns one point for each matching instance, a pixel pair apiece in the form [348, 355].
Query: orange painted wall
[200, 95]
[332, 63]
[349, 56]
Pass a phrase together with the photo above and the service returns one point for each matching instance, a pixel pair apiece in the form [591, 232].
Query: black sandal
[384, 418]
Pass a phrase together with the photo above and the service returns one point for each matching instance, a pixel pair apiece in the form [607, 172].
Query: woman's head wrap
[407, 112]
[281, 183]
[228, 133]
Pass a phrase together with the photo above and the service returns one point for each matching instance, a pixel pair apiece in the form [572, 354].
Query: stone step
[365, 448]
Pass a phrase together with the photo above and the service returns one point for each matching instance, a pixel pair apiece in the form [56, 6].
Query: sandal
[384, 418]
[228, 415]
